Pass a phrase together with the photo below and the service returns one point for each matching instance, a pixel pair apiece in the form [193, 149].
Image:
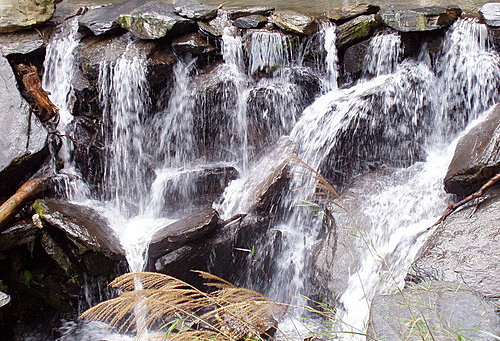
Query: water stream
[394, 115]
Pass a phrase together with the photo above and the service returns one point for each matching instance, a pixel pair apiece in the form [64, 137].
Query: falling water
[383, 55]
[331, 60]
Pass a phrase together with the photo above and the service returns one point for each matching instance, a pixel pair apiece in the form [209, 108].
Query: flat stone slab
[251, 21]
[347, 13]
[193, 43]
[491, 13]
[419, 19]
[294, 22]
[195, 10]
[356, 30]
[20, 42]
[235, 13]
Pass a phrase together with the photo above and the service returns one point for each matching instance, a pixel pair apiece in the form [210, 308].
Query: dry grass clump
[176, 310]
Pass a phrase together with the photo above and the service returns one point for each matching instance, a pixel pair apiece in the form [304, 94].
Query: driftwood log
[16, 202]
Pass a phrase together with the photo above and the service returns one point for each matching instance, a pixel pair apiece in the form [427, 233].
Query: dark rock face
[22, 138]
[243, 12]
[491, 14]
[347, 13]
[353, 60]
[294, 22]
[22, 233]
[449, 309]
[356, 30]
[195, 10]
[419, 19]
[155, 20]
[477, 157]
[193, 43]
[251, 21]
[16, 15]
[81, 224]
[465, 248]
[183, 231]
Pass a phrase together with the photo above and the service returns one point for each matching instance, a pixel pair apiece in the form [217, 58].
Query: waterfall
[331, 59]
[383, 55]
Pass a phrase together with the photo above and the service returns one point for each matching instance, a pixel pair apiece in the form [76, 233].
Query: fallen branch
[233, 219]
[453, 207]
[16, 202]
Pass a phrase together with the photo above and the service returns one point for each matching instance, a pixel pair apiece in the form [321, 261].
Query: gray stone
[193, 43]
[476, 158]
[20, 42]
[419, 19]
[351, 12]
[491, 13]
[21, 233]
[251, 21]
[444, 310]
[464, 248]
[66, 10]
[188, 229]
[235, 13]
[353, 60]
[356, 30]
[82, 224]
[104, 19]
[22, 136]
[195, 10]
[208, 30]
[16, 15]
[294, 22]
[154, 20]
[4, 299]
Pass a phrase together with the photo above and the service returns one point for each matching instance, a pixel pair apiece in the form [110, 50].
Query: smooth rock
[251, 21]
[294, 22]
[154, 20]
[4, 299]
[193, 43]
[491, 13]
[464, 248]
[449, 309]
[356, 30]
[235, 13]
[22, 136]
[21, 233]
[346, 13]
[353, 61]
[183, 231]
[195, 10]
[20, 42]
[419, 19]
[82, 224]
[476, 158]
[104, 19]
[66, 10]
[16, 15]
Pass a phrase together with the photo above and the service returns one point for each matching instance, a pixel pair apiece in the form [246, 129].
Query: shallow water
[320, 6]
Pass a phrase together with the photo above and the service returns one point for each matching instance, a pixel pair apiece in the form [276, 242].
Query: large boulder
[183, 231]
[81, 224]
[477, 157]
[430, 18]
[450, 255]
[22, 136]
[491, 13]
[235, 13]
[16, 15]
[294, 22]
[356, 30]
[155, 20]
[351, 12]
[445, 310]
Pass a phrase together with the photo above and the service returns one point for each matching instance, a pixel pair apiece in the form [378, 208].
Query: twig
[453, 207]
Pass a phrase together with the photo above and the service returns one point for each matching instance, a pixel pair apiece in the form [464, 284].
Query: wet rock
[155, 20]
[195, 10]
[419, 19]
[476, 158]
[22, 233]
[57, 254]
[20, 42]
[82, 224]
[246, 11]
[353, 60]
[208, 30]
[193, 43]
[16, 15]
[102, 20]
[347, 13]
[294, 22]
[356, 30]
[22, 137]
[449, 254]
[491, 14]
[450, 309]
[251, 21]
[4, 299]
[66, 10]
[183, 231]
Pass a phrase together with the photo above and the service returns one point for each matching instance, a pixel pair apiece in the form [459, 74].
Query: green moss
[40, 208]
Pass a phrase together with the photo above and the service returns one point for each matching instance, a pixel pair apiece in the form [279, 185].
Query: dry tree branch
[453, 207]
